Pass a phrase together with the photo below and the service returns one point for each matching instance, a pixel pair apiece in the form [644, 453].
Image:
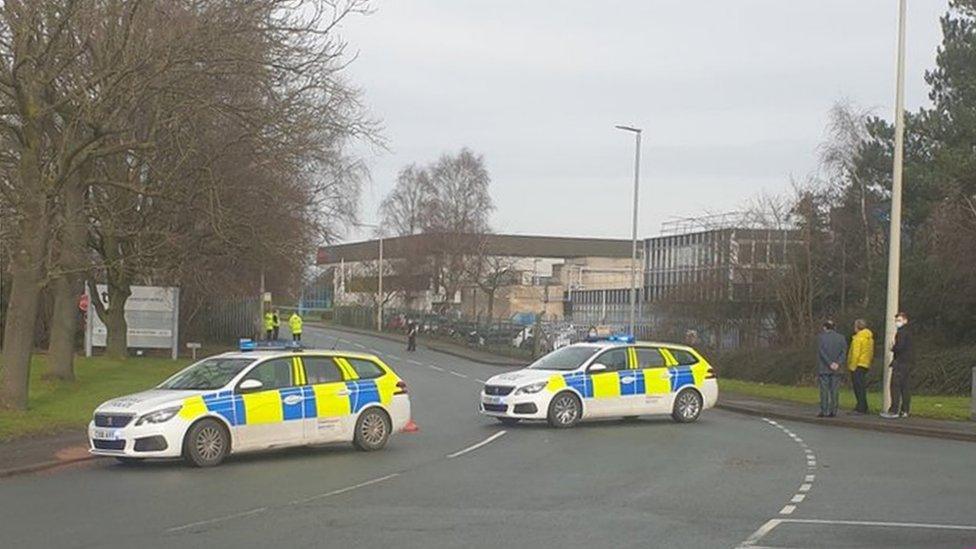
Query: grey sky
[733, 96]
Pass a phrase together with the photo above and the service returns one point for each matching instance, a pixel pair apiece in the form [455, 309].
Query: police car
[256, 399]
[616, 377]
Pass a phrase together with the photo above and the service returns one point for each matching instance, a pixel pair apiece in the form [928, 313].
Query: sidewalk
[446, 348]
[806, 413]
[27, 455]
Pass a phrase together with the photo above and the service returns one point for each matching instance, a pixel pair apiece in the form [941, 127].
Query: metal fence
[222, 321]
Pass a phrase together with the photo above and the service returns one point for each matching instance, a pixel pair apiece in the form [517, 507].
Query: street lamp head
[628, 128]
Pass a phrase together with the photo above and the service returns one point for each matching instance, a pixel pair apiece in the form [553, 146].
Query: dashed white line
[458, 374]
[216, 520]
[481, 381]
[344, 490]
[809, 478]
[417, 362]
[432, 367]
[473, 447]
[787, 510]
[805, 487]
[798, 498]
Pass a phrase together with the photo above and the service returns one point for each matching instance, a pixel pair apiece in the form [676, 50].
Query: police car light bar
[248, 344]
[616, 338]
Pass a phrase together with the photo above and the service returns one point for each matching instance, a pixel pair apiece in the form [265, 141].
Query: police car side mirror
[597, 367]
[250, 386]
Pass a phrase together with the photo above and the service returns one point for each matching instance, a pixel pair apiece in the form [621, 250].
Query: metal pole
[379, 300]
[894, 239]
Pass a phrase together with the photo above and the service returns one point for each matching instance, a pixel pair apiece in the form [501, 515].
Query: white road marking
[296, 502]
[809, 478]
[417, 362]
[453, 373]
[344, 490]
[805, 487]
[481, 381]
[476, 446]
[765, 529]
[798, 498]
[216, 520]
[787, 510]
[432, 367]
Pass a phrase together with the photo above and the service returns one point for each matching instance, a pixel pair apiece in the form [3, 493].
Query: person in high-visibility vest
[268, 325]
[275, 324]
[295, 323]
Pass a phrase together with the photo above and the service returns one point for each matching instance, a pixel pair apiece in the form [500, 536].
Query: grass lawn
[935, 407]
[56, 406]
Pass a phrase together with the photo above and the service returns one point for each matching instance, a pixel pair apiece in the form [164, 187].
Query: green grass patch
[56, 406]
[930, 406]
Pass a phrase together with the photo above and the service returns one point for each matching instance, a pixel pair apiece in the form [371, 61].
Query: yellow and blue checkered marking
[631, 382]
[681, 376]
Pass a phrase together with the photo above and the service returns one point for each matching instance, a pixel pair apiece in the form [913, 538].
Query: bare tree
[489, 272]
[406, 209]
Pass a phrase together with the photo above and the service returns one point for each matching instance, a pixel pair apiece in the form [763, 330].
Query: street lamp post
[379, 283]
[633, 254]
[894, 239]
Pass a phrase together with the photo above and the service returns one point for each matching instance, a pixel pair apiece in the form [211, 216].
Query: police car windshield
[211, 373]
[565, 359]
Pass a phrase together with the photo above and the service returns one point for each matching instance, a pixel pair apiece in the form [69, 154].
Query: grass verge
[55, 406]
[935, 407]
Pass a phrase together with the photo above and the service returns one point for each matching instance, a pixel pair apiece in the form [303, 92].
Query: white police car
[612, 378]
[254, 400]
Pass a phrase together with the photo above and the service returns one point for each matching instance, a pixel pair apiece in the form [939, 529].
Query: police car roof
[288, 353]
[606, 344]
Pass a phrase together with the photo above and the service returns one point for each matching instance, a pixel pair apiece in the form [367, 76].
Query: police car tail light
[710, 373]
[401, 388]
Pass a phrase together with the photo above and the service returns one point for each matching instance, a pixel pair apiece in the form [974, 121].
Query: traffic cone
[411, 427]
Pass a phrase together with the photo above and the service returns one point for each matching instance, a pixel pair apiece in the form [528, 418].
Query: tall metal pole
[894, 239]
[633, 254]
[379, 298]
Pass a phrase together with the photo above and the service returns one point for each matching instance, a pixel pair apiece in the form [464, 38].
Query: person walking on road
[831, 353]
[901, 365]
[859, 362]
[411, 336]
[295, 323]
[268, 325]
[275, 324]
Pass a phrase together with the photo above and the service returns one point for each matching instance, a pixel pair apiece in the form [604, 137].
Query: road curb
[42, 466]
[893, 426]
[425, 344]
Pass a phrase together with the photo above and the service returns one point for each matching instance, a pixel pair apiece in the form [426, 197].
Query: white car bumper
[399, 412]
[534, 406]
[709, 389]
[160, 440]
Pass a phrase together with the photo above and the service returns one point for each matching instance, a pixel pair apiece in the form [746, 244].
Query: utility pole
[379, 298]
[633, 254]
[894, 238]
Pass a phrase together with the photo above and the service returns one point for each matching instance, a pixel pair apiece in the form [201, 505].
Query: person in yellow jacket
[859, 361]
[268, 325]
[295, 323]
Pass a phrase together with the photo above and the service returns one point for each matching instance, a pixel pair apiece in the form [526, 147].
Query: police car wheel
[509, 420]
[206, 444]
[687, 406]
[372, 430]
[565, 410]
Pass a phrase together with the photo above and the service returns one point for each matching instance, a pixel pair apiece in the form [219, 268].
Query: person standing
[859, 362]
[901, 365]
[831, 353]
[275, 324]
[268, 325]
[295, 323]
[411, 336]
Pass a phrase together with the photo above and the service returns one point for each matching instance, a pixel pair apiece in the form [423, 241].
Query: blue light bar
[616, 338]
[248, 344]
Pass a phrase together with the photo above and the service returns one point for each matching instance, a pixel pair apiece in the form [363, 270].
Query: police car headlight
[159, 416]
[532, 389]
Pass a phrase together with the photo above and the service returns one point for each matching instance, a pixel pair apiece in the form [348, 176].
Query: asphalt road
[726, 481]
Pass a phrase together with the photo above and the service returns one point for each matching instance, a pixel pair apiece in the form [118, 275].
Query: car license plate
[105, 434]
[493, 400]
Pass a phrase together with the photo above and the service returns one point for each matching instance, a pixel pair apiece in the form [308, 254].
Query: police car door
[326, 400]
[607, 397]
[272, 414]
[657, 380]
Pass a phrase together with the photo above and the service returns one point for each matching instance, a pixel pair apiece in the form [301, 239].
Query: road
[464, 480]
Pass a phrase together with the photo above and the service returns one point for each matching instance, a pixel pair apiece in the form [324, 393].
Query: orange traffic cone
[411, 427]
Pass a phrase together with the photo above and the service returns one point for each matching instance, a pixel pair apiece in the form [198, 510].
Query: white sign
[151, 312]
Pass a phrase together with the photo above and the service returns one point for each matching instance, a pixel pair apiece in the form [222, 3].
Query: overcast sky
[732, 95]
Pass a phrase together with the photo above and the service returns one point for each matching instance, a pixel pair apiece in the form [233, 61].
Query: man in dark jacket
[901, 365]
[831, 353]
